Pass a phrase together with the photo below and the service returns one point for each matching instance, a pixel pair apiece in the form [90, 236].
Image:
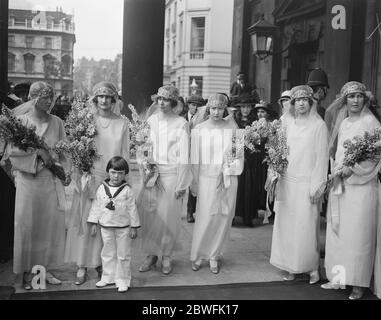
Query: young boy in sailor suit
[114, 209]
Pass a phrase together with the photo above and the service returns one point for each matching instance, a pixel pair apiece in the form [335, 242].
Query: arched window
[66, 65]
[11, 62]
[51, 66]
[29, 62]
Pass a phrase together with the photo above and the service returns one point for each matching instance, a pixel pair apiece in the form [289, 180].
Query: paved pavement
[246, 260]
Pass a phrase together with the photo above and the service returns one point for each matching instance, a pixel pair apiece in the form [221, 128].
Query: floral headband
[168, 92]
[217, 100]
[41, 90]
[353, 87]
[104, 91]
[301, 92]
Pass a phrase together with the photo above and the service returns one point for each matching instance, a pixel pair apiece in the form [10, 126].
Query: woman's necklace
[105, 124]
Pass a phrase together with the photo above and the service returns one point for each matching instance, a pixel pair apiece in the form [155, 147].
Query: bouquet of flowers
[13, 131]
[238, 145]
[151, 175]
[81, 130]
[257, 132]
[139, 134]
[357, 150]
[276, 158]
[277, 148]
[235, 152]
[363, 148]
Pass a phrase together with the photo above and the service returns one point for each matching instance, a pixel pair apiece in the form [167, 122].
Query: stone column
[143, 51]
[3, 48]
[338, 48]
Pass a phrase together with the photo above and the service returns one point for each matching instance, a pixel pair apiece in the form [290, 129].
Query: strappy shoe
[25, 282]
[195, 266]
[148, 264]
[81, 279]
[52, 279]
[314, 277]
[357, 293]
[214, 266]
[166, 267]
[190, 218]
[102, 284]
[99, 271]
[289, 277]
[331, 286]
[123, 288]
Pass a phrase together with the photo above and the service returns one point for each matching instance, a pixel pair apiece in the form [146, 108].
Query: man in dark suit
[318, 81]
[241, 86]
[194, 102]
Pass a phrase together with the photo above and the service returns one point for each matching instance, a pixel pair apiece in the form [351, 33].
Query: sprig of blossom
[277, 148]
[13, 131]
[363, 148]
[81, 130]
[238, 146]
[256, 134]
[139, 133]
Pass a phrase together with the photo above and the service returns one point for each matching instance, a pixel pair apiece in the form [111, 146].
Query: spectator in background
[117, 108]
[21, 90]
[12, 100]
[153, 108]
[241, 86]
[180, 108]
[194, 103]
[245, 211]
[285, 103]
[318, 81]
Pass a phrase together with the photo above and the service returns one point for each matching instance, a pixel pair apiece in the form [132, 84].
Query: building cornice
[198, 10]
[41, 32]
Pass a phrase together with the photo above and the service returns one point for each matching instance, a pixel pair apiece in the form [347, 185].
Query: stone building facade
[197, 45]
[335, 35]
[40, 47]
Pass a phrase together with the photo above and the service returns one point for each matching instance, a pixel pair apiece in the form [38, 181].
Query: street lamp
[194, 87]
[262, 37]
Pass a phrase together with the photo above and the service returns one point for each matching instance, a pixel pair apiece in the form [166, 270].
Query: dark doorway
[301, 54]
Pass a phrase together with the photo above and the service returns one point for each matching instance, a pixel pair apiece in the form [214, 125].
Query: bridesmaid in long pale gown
[295, 241]
[160, 208]
[352, 209]
[215, 176]
[39, 237]
[112, 140]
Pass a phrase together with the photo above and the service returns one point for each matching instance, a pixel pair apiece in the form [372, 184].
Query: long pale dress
[295, 241]
[215, 205]
[349, 257]
[111, 140]
[377, 264]
[159, 210]
[40, 204]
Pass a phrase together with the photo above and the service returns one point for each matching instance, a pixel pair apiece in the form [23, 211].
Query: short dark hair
[366, 99]
[95, 99]
[172, 101]
[118, 164]
[310, 101]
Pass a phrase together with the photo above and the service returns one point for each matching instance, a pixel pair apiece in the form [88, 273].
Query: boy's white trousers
[116, 256]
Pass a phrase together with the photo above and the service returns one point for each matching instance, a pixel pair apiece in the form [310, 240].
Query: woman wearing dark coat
[252, 195]
[246, 206]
